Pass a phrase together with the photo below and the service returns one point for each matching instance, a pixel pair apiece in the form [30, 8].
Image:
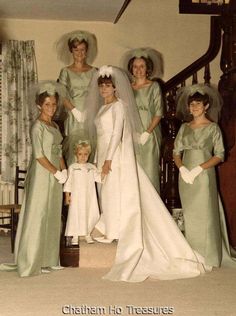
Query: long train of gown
[151, 244]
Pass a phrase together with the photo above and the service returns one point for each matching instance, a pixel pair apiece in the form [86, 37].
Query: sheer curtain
[19, 72]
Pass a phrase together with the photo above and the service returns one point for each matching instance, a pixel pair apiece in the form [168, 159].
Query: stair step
[97, 255]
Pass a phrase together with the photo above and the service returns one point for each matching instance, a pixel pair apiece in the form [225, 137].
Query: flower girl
[80, 191]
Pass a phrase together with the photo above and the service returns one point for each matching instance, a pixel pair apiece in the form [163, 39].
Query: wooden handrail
[170, 124]
[213, 50]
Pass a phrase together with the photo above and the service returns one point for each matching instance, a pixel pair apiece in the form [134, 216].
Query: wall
[155, 23]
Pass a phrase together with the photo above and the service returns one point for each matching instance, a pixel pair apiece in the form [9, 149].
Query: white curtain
[19, 72]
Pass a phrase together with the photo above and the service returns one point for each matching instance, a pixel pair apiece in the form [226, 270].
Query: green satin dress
[38, 234]
[77, 89]
[150, 103]
[204, 221]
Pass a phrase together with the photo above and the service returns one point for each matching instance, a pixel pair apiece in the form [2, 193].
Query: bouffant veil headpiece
[147, 52]
[215, 101]
[51, 88]
[62, 49]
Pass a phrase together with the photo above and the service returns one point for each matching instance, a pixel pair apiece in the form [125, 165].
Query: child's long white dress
[83, 210]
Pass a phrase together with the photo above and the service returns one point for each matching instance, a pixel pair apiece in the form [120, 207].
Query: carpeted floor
[82, 291]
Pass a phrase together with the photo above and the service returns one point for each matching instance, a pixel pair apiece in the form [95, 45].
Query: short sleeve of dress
[178, 143]
[37, 132]
[64, 80]
[218, 143]
[157, 100]
[63, 77]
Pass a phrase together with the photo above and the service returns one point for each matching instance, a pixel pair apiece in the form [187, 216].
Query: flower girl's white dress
[83, 211]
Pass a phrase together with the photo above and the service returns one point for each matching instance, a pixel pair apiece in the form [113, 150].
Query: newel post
[227, 88]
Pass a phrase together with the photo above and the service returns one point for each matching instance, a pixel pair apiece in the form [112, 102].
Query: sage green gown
[149, 102]
[77, 89]
[204, 221]
[38, 233]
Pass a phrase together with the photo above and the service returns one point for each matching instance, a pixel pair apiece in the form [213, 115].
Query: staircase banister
[213, 49]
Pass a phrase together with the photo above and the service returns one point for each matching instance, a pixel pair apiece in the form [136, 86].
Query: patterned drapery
[19, 72]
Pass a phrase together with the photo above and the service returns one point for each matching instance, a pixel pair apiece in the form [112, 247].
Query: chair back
[9, 217]
[19, 183]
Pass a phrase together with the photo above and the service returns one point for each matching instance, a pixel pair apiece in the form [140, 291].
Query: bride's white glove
[61, 176]
[79, 116]
[185, 174]
[195, 172]
[144, 137]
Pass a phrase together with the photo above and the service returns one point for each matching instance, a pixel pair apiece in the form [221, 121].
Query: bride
[149, 242]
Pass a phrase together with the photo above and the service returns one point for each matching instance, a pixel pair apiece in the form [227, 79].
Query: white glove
[61, 176]
[185, 174]
[65, 173]
[144, 137]
[195, 172]
[79, 116]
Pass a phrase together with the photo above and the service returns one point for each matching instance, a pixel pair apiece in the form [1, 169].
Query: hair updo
[73, 43]
[197, 96]
[105, 79]
[40, 98]
[148, 62]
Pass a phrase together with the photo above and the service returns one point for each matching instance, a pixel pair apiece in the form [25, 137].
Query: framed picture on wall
[213, 7]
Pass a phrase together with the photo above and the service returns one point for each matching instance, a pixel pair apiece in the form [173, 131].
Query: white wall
[156, 23]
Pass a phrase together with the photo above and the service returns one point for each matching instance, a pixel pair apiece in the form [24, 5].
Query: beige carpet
[213, 294]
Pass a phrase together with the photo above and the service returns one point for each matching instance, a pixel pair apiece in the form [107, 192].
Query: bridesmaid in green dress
[143, 64]
[81, 48]
[198, 149]
[39, 227]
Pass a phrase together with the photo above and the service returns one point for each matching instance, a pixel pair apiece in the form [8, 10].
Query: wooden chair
[10, 212]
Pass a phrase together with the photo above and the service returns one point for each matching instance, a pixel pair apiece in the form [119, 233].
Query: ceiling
[67, 10]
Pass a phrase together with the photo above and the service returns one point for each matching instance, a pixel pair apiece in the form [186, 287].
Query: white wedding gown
[150, 243]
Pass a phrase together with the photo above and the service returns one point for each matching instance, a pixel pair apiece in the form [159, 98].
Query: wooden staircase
[170, 124]
[222, 35]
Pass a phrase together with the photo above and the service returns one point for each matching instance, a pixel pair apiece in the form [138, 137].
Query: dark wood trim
[213, 50]
[123, 8]
[186, 6]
